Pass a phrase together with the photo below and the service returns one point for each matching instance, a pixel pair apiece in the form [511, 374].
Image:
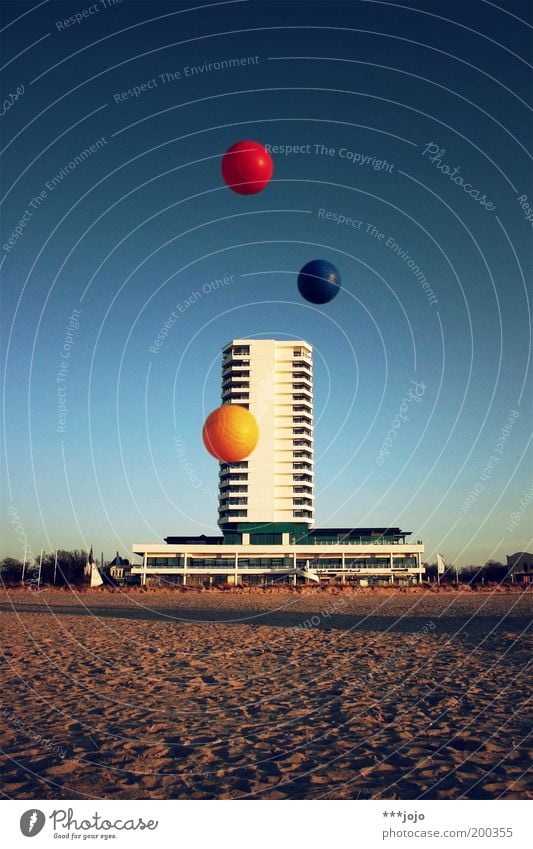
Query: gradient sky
[144, 221]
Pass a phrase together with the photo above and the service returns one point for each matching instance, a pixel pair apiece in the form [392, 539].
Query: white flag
[96, 578]
[441, 567]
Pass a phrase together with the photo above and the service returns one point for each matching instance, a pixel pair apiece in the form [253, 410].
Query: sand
[289, 695]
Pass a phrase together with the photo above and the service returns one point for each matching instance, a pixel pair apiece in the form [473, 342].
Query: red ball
[247, 167]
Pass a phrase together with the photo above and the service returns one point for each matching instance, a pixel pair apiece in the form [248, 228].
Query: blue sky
[422, 402]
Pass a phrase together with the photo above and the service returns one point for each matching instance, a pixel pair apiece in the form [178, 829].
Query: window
[164, 562]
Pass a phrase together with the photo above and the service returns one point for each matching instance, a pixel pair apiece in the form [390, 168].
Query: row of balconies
[296, 478]
[298, 483]
[281, 386]
[244, 351]
[282, 399]
[292, 369]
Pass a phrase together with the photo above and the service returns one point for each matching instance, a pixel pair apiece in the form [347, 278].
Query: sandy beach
[266, 695]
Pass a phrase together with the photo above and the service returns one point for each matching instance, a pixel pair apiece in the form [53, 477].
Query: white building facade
[274, 380]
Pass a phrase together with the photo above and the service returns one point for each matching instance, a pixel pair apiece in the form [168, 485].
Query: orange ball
[230, 433]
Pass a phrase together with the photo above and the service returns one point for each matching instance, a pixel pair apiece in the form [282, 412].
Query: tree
[70, 566]
[431, 572]
[10, 570]
[470, 575]
[493, 570]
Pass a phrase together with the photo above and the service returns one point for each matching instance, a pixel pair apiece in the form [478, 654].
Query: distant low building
[520, 567]
[119, 569]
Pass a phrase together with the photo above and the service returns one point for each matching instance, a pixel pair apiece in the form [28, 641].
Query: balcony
[229, 488]
[235, 383]
[234, 397]
[234, 364]
[237, 501]
[237, 351]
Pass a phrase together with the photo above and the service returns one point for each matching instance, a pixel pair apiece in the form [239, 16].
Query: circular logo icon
[32, 822]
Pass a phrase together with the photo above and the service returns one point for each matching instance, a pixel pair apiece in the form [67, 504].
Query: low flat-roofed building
[520, 567]
[272, 553]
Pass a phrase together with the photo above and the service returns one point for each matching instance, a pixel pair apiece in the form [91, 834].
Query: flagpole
[24, 565]
[55, 568]
[40, 568]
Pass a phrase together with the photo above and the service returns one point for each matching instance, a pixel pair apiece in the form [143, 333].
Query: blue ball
[319, 281]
